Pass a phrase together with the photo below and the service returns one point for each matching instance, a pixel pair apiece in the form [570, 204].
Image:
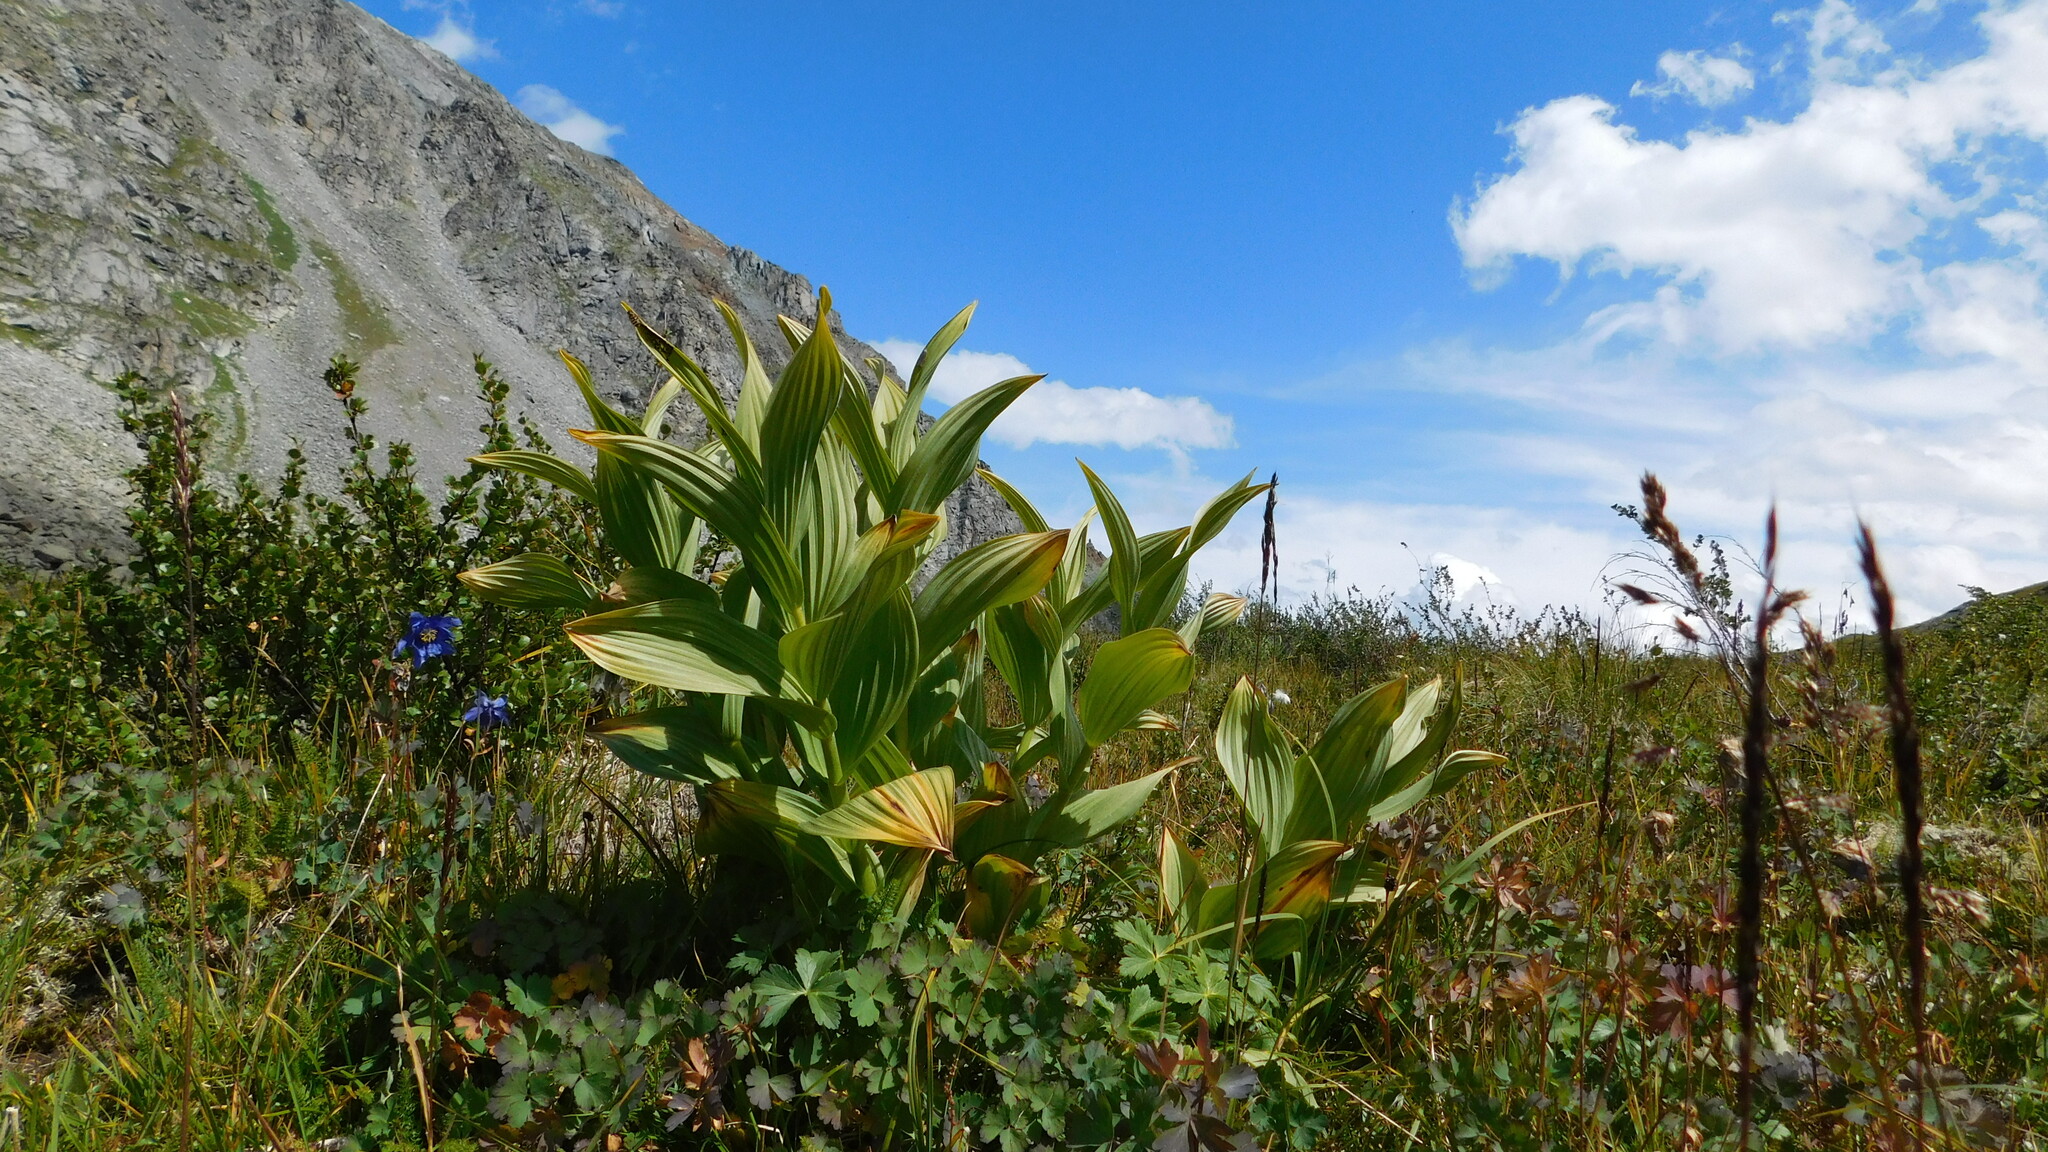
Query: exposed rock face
[228, 192]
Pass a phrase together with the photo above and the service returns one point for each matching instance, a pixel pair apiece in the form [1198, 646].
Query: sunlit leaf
[945, 456]
[1220, 610]
[1124, 560]
[903, 434]
[1258, 763]
[533, 581]
[1130, 675]
[1027, 513]
[541, 466]
[914, 811]
[1098, 811]
[1181, 880]
[1002, 894]
[675, 743]
[681, 644]
[988, 575]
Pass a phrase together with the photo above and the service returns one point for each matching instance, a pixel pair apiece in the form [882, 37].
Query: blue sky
[1458, 272]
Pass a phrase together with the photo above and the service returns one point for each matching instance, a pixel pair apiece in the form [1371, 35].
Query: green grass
[365, 325]
[209, 319]
[225, 391]
[281, 242]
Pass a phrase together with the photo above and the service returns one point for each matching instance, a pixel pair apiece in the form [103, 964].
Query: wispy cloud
[562, 116]
[1709, 81]
[457, 40]
[1055, 412]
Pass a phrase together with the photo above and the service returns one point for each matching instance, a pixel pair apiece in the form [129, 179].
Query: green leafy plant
[1310, 810]
[827, 710]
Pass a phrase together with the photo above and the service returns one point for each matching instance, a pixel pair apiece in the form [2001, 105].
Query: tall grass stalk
[1905, 739]
[1756, 735]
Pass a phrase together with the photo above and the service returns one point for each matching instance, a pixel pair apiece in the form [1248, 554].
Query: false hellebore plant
[1310, 812]
[828, 713]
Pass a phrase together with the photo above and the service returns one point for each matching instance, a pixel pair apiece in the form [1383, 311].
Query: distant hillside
[1954, 616]
[230, 191]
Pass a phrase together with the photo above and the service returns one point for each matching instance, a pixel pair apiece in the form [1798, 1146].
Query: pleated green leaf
[1181, 881]
[826, 533]
[533, 581]
[1024, 643]
[690, 376]
[641, 522]
[903, 434]
[884, 762]
[1003, 896]
[601, 412]
[1160, 592]
[1413, 743]
[945, 456]
[541, 466]
[681, 644]
[642, 585]
[988, 575]
[1216, 515]
[873, 687]
[811, 654]
[764, 821]
[1130, 675]
[854, 422]
[725, 500]
[805, 397]
[1258, 763]
[1028, 513]
[1071, 577]
[1351, 757]
[1123, 571]
[1460, 764]
[914, 811]
[755, 387]
[681, 742]
[1098, 811]
[1220, 610]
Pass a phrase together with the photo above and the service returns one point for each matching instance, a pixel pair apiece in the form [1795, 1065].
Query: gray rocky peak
[228, 192]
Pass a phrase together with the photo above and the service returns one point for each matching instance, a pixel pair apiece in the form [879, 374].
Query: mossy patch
[194, 151]
[208, 319]
[21, 325]
[225, 394]
[365, 327]
[280, 241]
[21, 334]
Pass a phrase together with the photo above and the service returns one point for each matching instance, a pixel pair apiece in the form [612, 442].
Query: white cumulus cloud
[566, 119]
[1055, 412]
[1788, 233]
[458, 41]
[1841, 309]
[1709, 81]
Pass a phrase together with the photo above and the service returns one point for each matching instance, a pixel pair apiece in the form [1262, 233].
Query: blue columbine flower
[488, 712]
[427, 637]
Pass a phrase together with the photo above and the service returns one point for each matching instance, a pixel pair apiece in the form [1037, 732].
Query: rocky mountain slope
[228, 192]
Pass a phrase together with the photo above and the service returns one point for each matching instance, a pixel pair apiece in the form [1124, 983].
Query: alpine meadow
[486, 665]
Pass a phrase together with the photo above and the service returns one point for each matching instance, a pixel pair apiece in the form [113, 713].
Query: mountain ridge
[227, 192]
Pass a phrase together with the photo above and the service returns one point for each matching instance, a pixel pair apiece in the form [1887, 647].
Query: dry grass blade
[1755, 763]
[1269, 541]
[1905, 732]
